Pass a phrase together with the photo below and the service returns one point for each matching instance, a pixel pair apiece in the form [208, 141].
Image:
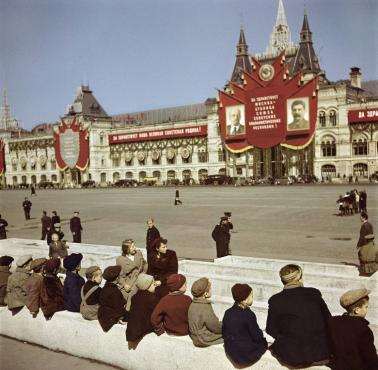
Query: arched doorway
[328, 170]
[43, 178]
[129, 175]
[24, 179]
[116, 176]
[142, 175]
[34, 179]
[360, 170]
[171, 175]
[156, 174]
[202, 175]
[103, 177]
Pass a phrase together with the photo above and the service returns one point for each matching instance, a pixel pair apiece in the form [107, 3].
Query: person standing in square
[76, 228]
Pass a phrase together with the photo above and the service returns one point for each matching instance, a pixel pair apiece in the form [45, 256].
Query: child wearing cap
[73, 282]
[5, 265]
[297, 320]
[171, 313]
[33, 286]
[16, 288]
[142, 305]
[244, 341]
[51, 300]
[90, 293]
[112, 308]
[351, 339]
[204, 326]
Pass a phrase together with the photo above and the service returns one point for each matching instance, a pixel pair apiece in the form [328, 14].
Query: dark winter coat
[51, 295]
[152, 234]
[33, 292]
[161, 267]
[3, 231]
[221, 236]
[58, 249]
[142, 305]
[171, 314]
[16, 288]
[112, 306]
[46, 222]
[72, 291]
[244, 341]
[26, 204]
[55, 220]
[352, 344]
[297, 320]
[4, 275]
[366, 229]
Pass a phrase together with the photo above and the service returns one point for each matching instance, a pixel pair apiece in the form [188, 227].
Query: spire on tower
[243, 62]
[5, 112]
[281, 16]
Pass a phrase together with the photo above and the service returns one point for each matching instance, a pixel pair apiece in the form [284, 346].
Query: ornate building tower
[5, 112]
[243, 61]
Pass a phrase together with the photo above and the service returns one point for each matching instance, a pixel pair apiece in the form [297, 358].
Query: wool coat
[171, 314]
[112, 306]
[4, 275]
[72, 291]
[58, 249]
[33, 292]
[142, 305]
[152, 234]
[366, 229]
[51, 295]
[16, 288]
[55, 220]
[129, 274]
[76, 228]
[297, 320]
[205, 328]
[352, 344]
[244, 341]
[161, 267]
[221, 236]
[368, 255]
[3, 231]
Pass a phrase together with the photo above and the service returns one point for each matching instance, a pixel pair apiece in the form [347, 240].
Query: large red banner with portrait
[71, 145]
[2, 157]
[269, 108]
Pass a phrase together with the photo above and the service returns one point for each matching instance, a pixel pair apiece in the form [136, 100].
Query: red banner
[363, 115]
[2, 157]
[270, 108]
[71, 145]
[169, 133]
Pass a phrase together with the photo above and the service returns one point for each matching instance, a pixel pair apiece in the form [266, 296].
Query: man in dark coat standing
[75, 226]
[152, 234]
[366, 229]
[297, 320]
[3, 225]
[46, 224]
[26, 205]
[55, 219]
[221, 236]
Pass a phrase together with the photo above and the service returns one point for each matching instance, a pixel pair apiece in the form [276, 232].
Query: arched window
[116, 176]
[360, 170]
[333, 118]
[171, 175]
[202, 174]
[322, 119]
[328, 170]
[54, 178]
[43, 178]
[103, 177]
[156, 174]
[129, 175]
[14, 179]
[186, 174]
[34, 179]
[328, 146]
[24, 179]
[142, 175]
[360, 146]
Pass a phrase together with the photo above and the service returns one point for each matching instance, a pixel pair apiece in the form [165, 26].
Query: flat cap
[6, 260]
[111, 272]
[175, 282]
[72, 261]
[23, 260]
[353, 296]
[200, 286]
[144, 281]
[38, 263]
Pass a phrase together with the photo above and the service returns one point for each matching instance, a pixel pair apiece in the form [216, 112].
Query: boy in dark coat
[90, 293]
[51, 290]
[297, 320]
[221, 236]
[33, 286]
[3, 225]
[351, 339]
[5, 265]
[152, 234]
[171, 313]
[112, 308]
[73, 282]
[26, 205]
[142, 306]
[244, 341]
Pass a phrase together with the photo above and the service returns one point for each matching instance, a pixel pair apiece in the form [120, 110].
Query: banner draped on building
[71, 145]
[268, 109]
[2, 157]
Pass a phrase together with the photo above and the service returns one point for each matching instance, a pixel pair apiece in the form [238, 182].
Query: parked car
[88, 184]
[174, 182]
[150, 181]
[218, 180]
[126, 183]
[46, 185]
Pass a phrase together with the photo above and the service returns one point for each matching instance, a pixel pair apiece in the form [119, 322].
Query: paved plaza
[296, 222]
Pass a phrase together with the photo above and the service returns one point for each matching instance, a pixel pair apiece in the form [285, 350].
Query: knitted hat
[175, 282]
[90, 271]
[353, 296]
[200, 286]
[23, 260]
[38, 263]
[111, 272]
[144, 281]
[52, 264]
[240, 292]
[72, 261]
[290, 273]
[6, 260]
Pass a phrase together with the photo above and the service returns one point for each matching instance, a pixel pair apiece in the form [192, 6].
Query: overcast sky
[146, 54]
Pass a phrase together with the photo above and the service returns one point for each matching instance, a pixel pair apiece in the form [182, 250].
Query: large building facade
[186, 143]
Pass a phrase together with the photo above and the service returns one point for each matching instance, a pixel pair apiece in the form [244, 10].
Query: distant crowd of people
[352, 202]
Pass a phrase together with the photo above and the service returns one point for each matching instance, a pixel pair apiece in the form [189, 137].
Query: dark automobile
[218, 180]
[46, 185]
[88, 184]
[173, 182]
[125, 183]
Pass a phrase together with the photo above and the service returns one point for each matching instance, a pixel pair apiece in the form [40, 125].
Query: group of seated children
[304, 332]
